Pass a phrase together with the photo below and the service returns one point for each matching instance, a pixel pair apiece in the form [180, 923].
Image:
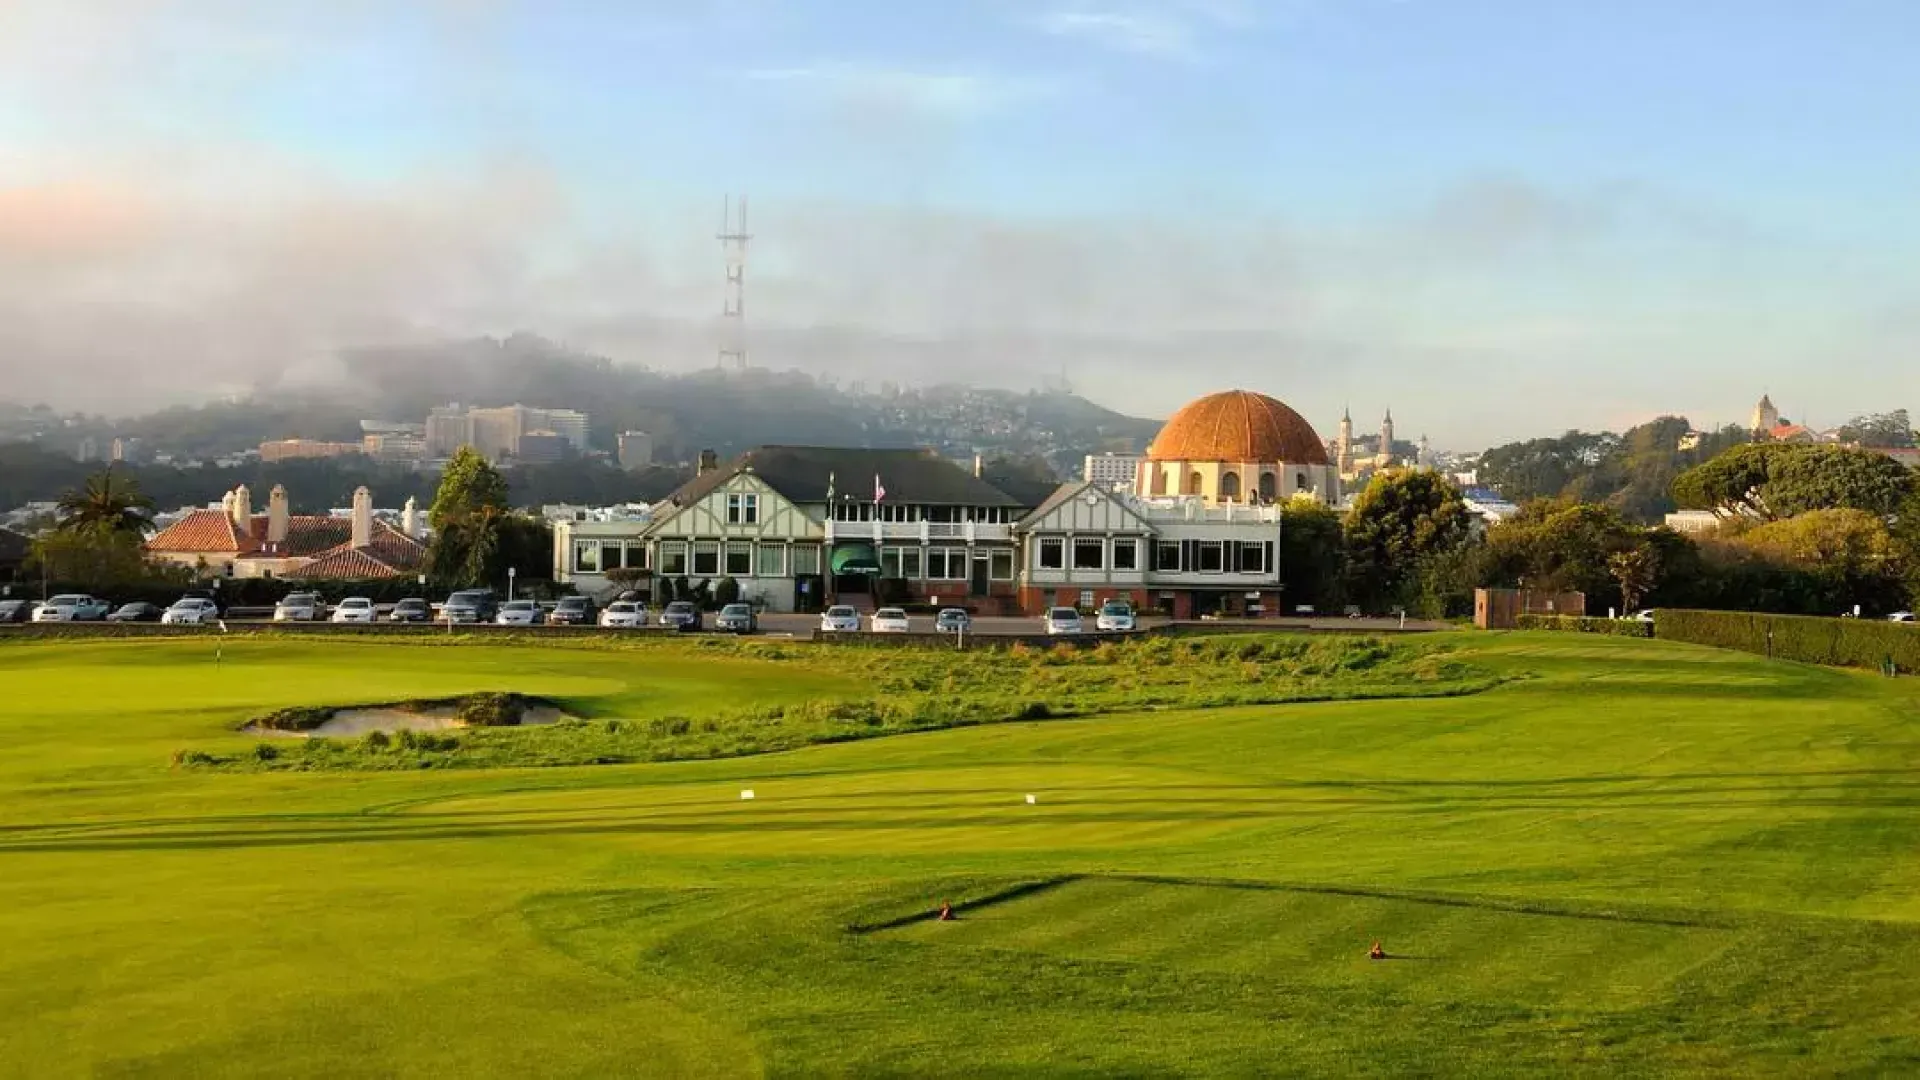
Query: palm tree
[114, 505]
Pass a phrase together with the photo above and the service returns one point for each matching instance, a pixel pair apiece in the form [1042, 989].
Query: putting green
[1634, 858]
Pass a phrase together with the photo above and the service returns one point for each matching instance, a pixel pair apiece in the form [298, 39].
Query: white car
[1116, 617]
[1900, 616]
[518, 613]
[1641, 616]
[891, 620]
[1062, 620]
[840, 619]
[354, 609]
[191, 611]
[624, 616]
[72, 607]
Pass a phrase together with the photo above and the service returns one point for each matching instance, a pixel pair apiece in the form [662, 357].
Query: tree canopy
[1401, 521]
[1768, 481]
[107, 502]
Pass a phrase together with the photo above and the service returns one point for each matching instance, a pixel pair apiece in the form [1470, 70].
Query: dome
[1238, 426]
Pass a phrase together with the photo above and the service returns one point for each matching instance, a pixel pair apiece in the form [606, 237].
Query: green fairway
[1629, 858]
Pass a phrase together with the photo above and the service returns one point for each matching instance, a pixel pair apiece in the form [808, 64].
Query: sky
[1500, 218]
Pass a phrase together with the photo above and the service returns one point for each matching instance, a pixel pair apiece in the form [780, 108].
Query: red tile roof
[389, 554]
[209, 531]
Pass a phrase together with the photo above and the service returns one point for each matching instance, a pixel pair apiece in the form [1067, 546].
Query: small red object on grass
[946, 911]
[1376, 953]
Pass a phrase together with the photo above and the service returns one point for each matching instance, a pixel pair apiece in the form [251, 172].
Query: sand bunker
[354, 721]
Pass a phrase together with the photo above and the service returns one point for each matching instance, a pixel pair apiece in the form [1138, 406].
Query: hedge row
[1581, 624]
[1860, 643]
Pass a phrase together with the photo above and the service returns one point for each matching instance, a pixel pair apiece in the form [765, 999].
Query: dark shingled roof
[801, 474]
[13, 548]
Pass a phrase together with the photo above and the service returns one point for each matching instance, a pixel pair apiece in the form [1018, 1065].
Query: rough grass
[896, 691]
[1643, 859]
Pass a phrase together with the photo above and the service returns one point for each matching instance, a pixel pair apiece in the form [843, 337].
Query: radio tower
[733, 239]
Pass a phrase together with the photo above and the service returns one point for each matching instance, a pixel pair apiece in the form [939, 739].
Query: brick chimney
[362, 517]
[709, 461]
[243, 508]
[277, 515]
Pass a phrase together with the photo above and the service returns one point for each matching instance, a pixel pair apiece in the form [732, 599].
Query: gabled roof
[307, 535]
[390, 553]
[802, 474]
[1061, 494]
[1067, 493]
[209, 531]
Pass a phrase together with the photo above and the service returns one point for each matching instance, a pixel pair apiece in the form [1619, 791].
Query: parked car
[1062, 620]
[191, 611]
[470, 606]
[519, 613]
[737, 619]
[219, 605]
[681, 615]
[891, 620]
[1900, 616]
[299, 607]
[138, 611]
[354, 609]
[16, 611]
[624, 615]
[411, 610]
[1642, 616]
[952, 621]
[574, 611]
[840, 619]
[1115, 617]
[72, 607]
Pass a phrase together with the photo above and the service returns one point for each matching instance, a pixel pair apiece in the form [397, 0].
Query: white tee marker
[746, 794]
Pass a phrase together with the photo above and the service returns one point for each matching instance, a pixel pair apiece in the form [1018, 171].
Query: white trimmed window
[1052, 553]
[706, 558]
[586, 556]
[1126, 554]
[1002, 567]
[911, 563]
[739, 559]
[806, 560]
[743, 509]
[673, 558]
[770, 560]
[1089, 553]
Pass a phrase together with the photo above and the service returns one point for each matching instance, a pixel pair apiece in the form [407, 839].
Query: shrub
[1861, 643]
[376, 740]
[264, 752]
[493, 710]
[1583, 624]
[726, 591]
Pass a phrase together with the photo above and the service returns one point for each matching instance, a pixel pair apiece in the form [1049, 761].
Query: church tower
[1765, 416]
[1425, 460]
[1344, 445]
[1386, 441]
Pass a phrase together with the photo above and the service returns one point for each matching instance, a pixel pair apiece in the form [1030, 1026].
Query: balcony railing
[918, 532]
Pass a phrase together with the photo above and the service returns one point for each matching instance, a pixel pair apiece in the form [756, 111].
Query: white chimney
[226, 505]
[242, 507]
[277, 515]
[410, 519]
[362, 517]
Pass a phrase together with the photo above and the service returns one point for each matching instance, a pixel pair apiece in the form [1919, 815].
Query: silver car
[299, 607]
[72, 607]
[519, 613]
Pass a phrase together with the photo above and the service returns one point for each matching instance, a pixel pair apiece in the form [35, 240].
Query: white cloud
[946, 93]
[1165, 28]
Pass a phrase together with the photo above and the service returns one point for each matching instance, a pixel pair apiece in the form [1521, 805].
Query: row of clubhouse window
[740, 558]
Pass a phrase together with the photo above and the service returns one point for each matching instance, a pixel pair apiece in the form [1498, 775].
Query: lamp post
[512, 572]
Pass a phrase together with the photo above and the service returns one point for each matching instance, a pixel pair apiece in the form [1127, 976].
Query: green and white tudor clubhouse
[802, 527]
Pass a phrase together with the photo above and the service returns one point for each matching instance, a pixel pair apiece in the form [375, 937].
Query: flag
[829, 489]
[878, 491]
[222, 624]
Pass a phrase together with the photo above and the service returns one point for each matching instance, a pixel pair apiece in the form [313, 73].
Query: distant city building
[129, 450]
[543, 448]
[1488, 505]
[1116, 471]
[636, 450]
[1693, 522]
[88, 450]
[1765, 416]
[290, 449]
[447, 430]
[497, 432]
[393, 446]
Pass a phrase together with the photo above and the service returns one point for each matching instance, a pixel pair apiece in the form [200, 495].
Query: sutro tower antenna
[733, 239]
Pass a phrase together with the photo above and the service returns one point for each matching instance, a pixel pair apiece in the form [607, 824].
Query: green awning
[855, 559]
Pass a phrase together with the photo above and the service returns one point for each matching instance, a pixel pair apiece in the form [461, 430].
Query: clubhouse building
[801, 527]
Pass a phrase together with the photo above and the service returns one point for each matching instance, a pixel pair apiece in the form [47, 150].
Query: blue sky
[1502, 218]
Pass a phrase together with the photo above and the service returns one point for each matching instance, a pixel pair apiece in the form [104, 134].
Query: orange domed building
[1238, 447]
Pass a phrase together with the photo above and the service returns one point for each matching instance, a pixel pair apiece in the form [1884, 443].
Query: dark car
[412, 609]
[13, 611]
[574, 611]
[138, 611]
[681, 615]
[737, 619]
[470, 606]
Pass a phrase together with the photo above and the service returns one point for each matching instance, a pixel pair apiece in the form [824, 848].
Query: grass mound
[900, 692]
